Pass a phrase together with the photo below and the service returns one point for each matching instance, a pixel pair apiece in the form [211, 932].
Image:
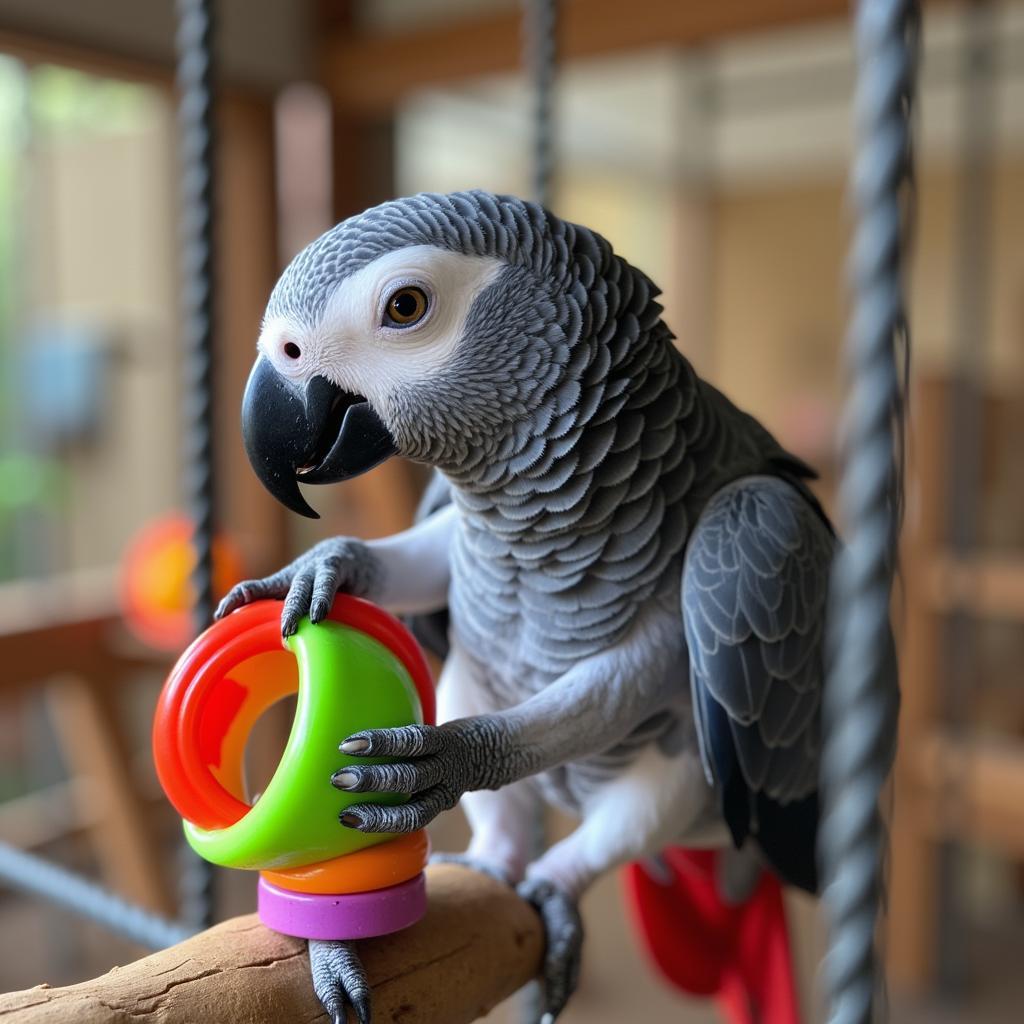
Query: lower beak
[321, 436]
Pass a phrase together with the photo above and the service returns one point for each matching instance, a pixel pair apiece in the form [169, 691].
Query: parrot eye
[406, 307]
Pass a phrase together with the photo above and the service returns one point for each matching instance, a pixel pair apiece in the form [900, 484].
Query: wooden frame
[948, 787]
[372, 71]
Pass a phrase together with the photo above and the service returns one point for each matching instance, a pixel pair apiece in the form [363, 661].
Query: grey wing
[754, 594]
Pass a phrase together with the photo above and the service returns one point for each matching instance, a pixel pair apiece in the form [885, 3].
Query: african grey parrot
[635, 571]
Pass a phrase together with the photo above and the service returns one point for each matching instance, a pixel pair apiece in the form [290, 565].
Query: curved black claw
[473, 864]
[339, 980]
[563, 929]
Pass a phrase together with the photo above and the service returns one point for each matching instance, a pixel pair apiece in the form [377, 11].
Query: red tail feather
[706, 947]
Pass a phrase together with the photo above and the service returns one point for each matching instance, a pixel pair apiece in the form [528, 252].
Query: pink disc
[356, 915]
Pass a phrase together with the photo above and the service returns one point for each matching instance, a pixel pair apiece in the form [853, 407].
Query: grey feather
[755, 585]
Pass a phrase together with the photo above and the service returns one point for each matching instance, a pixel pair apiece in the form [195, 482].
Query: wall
[779, 305]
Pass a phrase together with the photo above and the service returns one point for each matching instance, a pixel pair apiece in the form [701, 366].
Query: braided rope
[540, 63]
[196, 141]
[38, 877]
[861, 698]
[540, 57]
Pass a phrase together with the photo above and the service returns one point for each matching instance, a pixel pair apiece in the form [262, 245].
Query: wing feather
[755, 587]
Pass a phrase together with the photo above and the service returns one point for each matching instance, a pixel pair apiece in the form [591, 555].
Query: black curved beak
[321, 436]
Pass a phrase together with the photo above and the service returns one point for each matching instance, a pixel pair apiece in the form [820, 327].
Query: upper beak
[320, 436]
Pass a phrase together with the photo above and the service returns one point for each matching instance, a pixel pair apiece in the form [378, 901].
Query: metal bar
[197, 142]
[861, 694]
[38, 877]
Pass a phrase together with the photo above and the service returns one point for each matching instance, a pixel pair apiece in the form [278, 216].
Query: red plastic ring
[195, 792]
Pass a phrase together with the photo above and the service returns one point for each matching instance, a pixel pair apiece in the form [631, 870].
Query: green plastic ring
[347, 682]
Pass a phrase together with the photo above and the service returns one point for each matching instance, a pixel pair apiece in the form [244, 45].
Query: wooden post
[914, 881]
[247, 269]
[96, 748]
[382, 501]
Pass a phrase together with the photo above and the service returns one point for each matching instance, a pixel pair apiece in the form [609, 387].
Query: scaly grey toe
[563, 930]
[339, 979]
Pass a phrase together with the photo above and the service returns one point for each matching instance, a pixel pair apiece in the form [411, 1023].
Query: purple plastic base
[357, 915]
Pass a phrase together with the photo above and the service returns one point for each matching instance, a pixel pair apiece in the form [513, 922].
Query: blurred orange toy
[156, 593]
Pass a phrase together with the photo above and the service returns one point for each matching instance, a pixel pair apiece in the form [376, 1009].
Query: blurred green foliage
[68, 101]
[38, 105]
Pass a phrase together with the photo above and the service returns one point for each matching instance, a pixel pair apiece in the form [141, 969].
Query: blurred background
[710, 143]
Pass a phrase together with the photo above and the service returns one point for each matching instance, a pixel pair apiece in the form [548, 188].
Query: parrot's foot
[310, 583]
[339, 980]
[474, 864]
[435, 765]
[563, 930]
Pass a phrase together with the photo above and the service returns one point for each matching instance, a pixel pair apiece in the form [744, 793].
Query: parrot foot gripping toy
[359, 669]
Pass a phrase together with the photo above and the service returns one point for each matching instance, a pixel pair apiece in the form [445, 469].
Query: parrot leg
[339, 980]
[737, 873]
[659, 799]
[563, 932]
[586, 710]
[464, 860]
[500, 820]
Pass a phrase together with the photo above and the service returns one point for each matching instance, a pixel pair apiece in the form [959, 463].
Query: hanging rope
[196, 142]
[38, 877]
[861, 697]
[540, 60]
[540, 56]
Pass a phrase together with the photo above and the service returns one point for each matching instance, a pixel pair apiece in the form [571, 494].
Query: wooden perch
[478, 944]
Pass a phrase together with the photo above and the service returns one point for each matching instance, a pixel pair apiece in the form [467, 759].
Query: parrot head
[433, 327]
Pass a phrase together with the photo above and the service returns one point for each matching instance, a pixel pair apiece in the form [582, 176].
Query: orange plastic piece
[376, 867]
[156, 595]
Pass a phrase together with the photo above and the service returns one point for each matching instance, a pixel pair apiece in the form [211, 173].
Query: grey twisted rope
[196, 141]
[33, 875]
[540, 64]
[540, 56]
[861, 698]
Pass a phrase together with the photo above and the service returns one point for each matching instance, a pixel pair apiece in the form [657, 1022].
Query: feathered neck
[602, 441]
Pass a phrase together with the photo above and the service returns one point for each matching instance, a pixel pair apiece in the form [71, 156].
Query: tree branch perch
[477, 945]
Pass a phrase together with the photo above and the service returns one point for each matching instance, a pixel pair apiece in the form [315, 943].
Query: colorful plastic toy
[155, 569]
[359, 669]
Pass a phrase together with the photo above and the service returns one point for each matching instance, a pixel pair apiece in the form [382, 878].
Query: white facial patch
[356, 348]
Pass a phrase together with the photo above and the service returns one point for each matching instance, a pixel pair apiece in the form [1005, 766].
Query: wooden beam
[914, 884]
[374, 71]
[382, 501]
[971, 790]
[51, 813]
[34, 47]
[477, 945]
[247, 267]
[986, 586]
[64, 624]
[95, 746]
